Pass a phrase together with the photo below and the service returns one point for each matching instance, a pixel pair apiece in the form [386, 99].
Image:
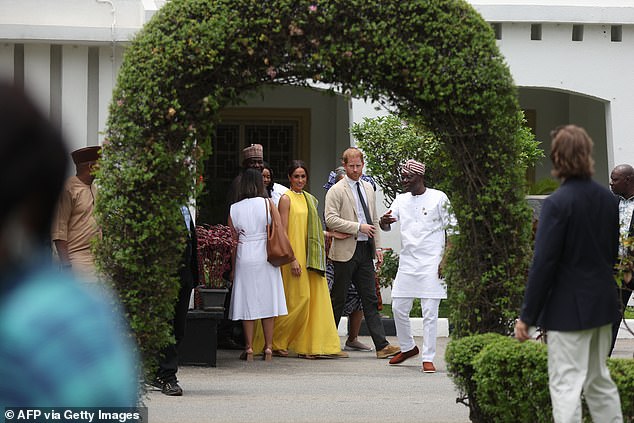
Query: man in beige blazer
[351, 209]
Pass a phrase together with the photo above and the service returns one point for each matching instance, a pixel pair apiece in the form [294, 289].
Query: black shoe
[172, 389]
[168, 388]
[156, 383]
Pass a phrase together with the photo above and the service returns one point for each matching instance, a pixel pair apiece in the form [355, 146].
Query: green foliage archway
[435, 61]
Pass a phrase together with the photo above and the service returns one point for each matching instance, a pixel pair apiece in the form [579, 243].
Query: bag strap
[267, 205]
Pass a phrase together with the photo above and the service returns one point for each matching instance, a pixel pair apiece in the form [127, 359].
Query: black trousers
[168, 361]
[624, 294]
[360, 270]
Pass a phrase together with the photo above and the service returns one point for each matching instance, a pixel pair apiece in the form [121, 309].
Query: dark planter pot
[200, 343]
[388, 326]
[212, 299]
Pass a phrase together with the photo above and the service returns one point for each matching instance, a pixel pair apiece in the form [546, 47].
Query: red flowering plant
[215, 244]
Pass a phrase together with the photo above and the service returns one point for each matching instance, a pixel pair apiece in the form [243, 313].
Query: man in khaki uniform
[74, 226]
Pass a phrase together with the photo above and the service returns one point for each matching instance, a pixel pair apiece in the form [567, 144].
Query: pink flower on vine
[120, 102]
[347, 53]
[312, 8]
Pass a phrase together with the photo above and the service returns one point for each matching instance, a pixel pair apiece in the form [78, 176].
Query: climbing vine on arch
[435, 61]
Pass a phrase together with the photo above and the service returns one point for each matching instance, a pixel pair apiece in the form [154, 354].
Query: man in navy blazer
[571, 290]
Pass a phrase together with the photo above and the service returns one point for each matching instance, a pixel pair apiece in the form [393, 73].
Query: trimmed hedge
[459, 356]
[435, 61]
[502, 380]
[511, 381]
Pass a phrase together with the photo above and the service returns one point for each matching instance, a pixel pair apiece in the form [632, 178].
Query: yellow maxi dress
[309, 327]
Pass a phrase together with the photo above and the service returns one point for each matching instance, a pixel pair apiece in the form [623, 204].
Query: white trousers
[576, 363]
[401, 308]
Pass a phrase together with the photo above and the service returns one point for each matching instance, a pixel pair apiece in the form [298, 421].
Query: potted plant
[215, 244]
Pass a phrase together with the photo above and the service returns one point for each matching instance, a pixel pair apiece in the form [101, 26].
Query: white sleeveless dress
[258, 291]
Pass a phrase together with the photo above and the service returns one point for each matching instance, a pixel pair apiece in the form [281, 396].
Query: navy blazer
[571, 282]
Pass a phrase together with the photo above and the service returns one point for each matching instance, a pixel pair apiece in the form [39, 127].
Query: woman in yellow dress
[309, 328]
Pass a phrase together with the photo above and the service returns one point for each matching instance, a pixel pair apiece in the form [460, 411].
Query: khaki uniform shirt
[75, 223]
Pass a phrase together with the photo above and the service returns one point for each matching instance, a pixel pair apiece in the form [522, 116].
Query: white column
[37, 75]
[75, 95]
[6, 61]
[109, 64]
[622, 110]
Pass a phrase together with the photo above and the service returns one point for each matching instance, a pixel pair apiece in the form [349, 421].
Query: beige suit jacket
[341, 216]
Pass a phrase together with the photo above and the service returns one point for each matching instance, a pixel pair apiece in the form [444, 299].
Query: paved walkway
[357, 389]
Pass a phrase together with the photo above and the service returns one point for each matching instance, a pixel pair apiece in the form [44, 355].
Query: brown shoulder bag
[278, 247]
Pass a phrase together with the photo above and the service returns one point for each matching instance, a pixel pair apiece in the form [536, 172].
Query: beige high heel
[247, 355]
[267, 354]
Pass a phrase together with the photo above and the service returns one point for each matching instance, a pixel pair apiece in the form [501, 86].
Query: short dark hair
[33, 160]
[251, 185]
[571, 152]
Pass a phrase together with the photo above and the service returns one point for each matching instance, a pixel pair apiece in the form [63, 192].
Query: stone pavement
[357, 389]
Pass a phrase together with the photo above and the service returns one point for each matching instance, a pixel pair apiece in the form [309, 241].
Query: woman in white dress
[258, 291]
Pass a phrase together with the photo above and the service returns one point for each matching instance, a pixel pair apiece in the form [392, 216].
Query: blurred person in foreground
[571, 290]
[61, 344]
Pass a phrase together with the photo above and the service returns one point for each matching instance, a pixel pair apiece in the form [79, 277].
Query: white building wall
[596, 67]
[75, 95]
[110, 59]
[37, 69]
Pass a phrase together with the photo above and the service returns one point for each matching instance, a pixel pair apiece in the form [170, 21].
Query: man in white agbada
[425, 223]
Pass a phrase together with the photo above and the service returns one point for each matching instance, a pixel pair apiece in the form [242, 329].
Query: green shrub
[543, 186]
[388, 141]
[622, 372]
[502, 380]
[511, 381]
[388, 270]
[459, 356]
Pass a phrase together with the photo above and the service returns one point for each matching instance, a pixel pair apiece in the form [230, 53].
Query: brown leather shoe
[428, 367]
[402, 356]
[388, 351]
